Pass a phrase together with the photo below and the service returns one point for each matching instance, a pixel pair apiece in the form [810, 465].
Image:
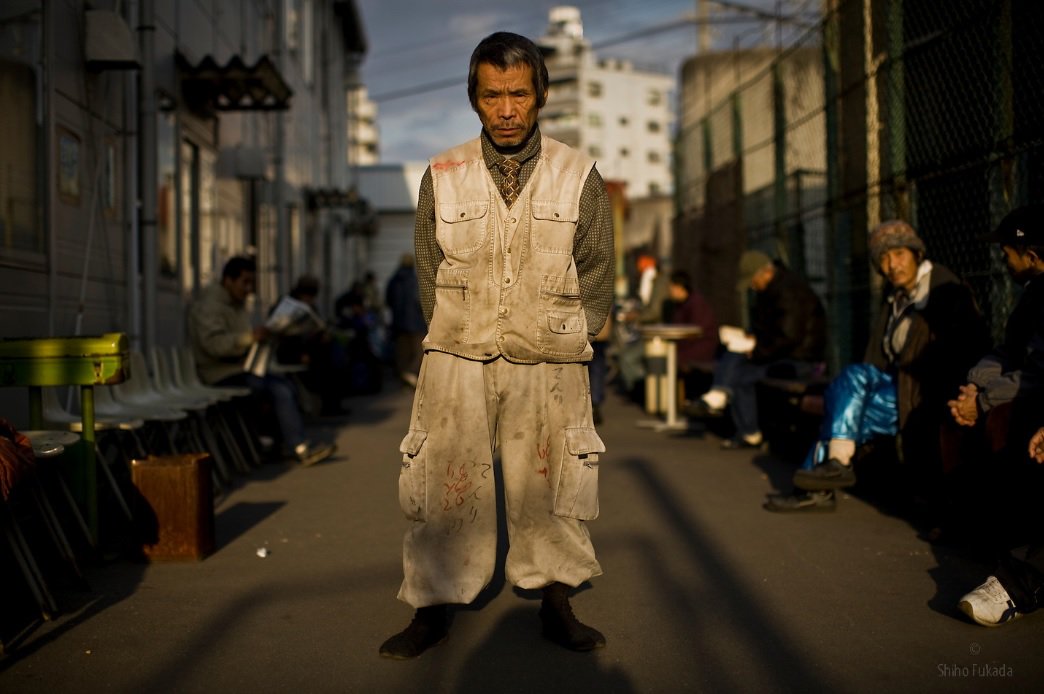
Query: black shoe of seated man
[832, 474]
[801, 502]
[430, 627]
[740, 444]
[701, 410]
[561, 626]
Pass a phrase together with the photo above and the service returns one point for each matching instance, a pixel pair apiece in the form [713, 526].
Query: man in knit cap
[928, 332]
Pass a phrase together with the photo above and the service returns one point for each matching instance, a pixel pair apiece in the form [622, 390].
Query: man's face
[899, 265]
[1020, 265]
[762, 278]
[506, 103]
[241, 287]
[677, 292]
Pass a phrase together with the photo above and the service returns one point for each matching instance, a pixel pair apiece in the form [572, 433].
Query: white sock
[841, 450]
[716, 399]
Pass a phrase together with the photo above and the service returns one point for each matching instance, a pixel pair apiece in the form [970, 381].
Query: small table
[84, 361]
[665, 336]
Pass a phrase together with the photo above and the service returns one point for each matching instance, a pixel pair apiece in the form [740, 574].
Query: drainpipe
[130, 197]
[47, 117]
[282, 265]
[147, 161]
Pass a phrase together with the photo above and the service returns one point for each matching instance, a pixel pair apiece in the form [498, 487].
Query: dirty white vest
[508, 284]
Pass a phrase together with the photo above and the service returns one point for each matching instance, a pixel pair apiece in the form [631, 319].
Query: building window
[594, 120]
[22, 169]
[654, 189]
[624, 121]
[655, 97]
[68, 166]
[166, 198]
[594, 89]
[653, 126]
[595, 151]
[624, 152]
[654, 157]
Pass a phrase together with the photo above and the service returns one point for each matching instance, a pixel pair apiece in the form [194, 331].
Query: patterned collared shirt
[593, 249]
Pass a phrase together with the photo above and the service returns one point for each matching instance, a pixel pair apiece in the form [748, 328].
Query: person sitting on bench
[928, 332]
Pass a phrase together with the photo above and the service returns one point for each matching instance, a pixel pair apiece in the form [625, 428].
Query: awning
[362, 219]
[235, 86]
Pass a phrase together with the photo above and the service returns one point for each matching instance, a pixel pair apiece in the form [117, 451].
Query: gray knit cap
[895, 233]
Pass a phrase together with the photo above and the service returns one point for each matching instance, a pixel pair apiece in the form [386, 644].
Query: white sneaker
[989, 604]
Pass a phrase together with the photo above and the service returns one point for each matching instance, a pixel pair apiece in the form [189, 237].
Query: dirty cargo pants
[540, 414]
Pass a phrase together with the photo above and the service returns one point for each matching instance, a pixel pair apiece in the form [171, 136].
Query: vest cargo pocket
[563, 333]
[451, 294]
[577, 494]
[412, 482]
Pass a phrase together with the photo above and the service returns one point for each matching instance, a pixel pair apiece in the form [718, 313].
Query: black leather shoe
[701, 410]
[833, 474]
[430, 627]
[740, 444]
[561, 626]
[801, 502]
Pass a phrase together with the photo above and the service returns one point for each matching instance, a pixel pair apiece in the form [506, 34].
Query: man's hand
[1036, 446]
[965, 409]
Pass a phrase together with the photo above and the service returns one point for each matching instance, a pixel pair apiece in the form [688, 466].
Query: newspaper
[289, 317]
[736, 339]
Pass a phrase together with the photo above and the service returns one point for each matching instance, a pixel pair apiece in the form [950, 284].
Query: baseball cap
[1023, 226]
[749, 264]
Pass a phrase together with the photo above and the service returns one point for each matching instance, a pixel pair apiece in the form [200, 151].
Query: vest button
[511, 220]
[507, 280]
[503, 310]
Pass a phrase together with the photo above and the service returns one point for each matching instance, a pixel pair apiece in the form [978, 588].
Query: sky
[417, 45]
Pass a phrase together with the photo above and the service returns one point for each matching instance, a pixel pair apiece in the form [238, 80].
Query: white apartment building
[618, 115]
[363, 135]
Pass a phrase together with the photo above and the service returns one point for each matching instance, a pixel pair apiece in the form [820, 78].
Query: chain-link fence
[929, 111]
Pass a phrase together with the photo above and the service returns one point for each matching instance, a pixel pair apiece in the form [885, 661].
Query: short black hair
[503, 50]
[237, 265]
[682, 279]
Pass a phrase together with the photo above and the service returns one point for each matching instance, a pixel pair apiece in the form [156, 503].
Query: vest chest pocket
[554, 225]
[464, 226]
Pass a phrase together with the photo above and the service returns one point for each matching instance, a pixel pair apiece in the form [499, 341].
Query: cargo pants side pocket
[412, 479]
[577, 492]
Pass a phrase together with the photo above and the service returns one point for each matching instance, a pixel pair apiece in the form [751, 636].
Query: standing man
[514, 246]
[402, 297]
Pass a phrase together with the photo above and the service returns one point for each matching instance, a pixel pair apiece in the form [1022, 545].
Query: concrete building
[363, 135]
[143, 146]
[617, 114]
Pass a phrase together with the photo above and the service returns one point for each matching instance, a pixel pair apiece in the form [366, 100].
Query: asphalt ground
[703, 590]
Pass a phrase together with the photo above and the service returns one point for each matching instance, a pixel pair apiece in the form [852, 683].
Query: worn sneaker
[989, 604]
[430, 627]
[309, 454]
[801, 502]
[832, 474]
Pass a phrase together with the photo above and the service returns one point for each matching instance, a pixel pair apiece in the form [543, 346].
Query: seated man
[788, 329]
[689, 307]
[927, 333]
[1004, 392]
[221, 334]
